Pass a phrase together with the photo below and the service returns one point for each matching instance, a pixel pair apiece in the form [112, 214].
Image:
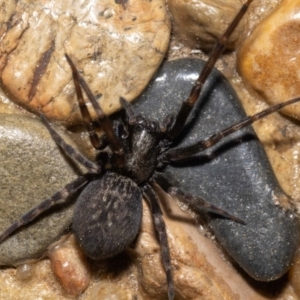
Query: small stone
[269, 59]
[25, 272]
[234, 175]
[32, 168]
[69, 265]
[195, 21]
[116, 48]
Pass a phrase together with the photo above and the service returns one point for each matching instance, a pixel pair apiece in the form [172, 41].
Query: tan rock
[43, 285]
[199, 270]
[195, 21]
[269, 59]
[111, 290]
[118, 282]
[117, 50]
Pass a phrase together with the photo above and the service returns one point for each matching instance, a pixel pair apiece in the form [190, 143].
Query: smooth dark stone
[234, 175]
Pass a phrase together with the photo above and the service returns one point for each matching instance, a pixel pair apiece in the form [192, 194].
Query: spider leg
[166, 124]
[162, 236]
[184, 153]
[89, 123]
[196, 203]
[69, 150]
[200, 204]
[45, 205]
[188, 104]
[104, 121]
[129, 111]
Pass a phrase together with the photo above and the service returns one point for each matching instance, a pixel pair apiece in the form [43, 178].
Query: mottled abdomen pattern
[107, 215]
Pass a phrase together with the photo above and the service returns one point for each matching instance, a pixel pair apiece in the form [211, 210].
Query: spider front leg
[160, 228]
[88, 122]
[69, 150]
[102, 118]
[185, 153]
[189, 103]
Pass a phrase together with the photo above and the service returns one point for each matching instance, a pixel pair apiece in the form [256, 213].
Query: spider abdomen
[107, 215]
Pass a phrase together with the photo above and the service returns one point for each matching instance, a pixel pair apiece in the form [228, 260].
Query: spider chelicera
[108, 212]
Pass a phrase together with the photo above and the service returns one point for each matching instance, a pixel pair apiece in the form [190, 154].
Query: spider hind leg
[160, 228]
[196, 203]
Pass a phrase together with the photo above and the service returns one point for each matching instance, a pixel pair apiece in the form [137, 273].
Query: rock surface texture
[269, 59]
[32, 168]
[116, 49]
[234, 175]
[195, 21]
[69, 265]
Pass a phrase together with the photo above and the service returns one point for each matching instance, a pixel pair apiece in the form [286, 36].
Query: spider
[108, 212]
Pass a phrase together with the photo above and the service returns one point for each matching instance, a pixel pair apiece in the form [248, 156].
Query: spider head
[145, 124]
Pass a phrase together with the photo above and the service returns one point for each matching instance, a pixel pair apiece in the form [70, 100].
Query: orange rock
[69, 265]
[269, 59]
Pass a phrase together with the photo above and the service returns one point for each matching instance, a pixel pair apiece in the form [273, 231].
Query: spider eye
[153, 126]
[140, 120]
[125, 134]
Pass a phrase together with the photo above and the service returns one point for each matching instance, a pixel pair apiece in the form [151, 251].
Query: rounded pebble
[25, 272]
[116, 48]
[69, 265]
[234, 175]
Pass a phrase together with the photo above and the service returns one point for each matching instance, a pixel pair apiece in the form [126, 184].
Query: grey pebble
[32, 168]
[234, 175]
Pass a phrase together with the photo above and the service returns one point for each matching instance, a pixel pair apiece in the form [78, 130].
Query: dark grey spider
[108, 212]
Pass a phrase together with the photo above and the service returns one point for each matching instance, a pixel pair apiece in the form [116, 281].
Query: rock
[269, 59]
[195, 22]
[43, 285]
[110, 290]
[193, 257]
[116, 48]
[294, 274]
[25, 272]
[69, 265]
[234, 175]
[200, 270]
[32, 169]
[115, 278]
